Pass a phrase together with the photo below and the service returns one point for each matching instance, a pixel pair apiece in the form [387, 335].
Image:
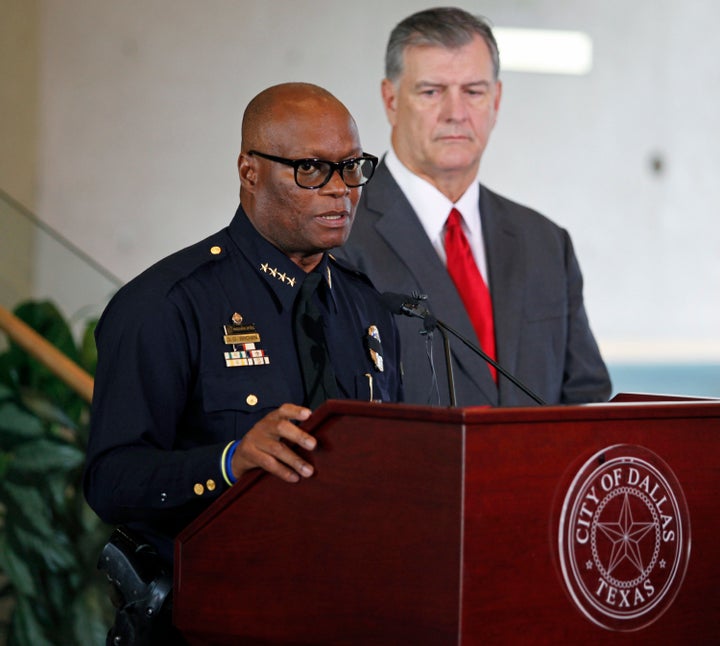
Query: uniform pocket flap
[246, 389]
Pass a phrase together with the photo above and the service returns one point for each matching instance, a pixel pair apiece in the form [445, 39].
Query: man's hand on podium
[265, 445]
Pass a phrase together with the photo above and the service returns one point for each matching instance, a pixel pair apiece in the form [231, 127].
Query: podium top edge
[624, 405]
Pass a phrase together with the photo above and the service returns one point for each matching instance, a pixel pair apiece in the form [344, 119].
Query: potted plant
[49, 538]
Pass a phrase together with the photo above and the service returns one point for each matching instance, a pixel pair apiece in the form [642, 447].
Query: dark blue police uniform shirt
[168, 397]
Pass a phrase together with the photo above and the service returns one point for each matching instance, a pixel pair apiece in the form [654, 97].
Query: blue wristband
[226, 463]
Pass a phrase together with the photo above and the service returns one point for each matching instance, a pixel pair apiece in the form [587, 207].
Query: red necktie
[470, 284]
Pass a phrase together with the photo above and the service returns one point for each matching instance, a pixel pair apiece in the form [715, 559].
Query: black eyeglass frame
[334, 166]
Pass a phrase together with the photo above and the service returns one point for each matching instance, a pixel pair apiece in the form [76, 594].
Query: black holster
[141, 587]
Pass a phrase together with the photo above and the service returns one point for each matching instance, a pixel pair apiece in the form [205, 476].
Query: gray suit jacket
[542, 332]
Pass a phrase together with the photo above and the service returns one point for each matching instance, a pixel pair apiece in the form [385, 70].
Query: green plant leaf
[58, 591]
[91, 524]
[6, 392]
[57, 555]
[5, 461]
[46, 319]
[15, 568]
[28, 509]
[40, 456]
[91, 616]
[46, 410]
[59, 493]
[88, 349]
[26, 628]
[9, 376]
[17, 424]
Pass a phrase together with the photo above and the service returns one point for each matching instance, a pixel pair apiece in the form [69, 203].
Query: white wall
[18, 144]
[141, 103]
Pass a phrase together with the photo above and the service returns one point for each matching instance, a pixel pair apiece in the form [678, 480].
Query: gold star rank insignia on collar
[375, 347]
[283, 277]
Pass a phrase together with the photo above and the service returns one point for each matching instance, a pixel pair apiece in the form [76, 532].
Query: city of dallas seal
[624, 537]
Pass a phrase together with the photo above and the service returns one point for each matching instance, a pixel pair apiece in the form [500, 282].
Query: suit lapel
[506, 268]
[401, 229]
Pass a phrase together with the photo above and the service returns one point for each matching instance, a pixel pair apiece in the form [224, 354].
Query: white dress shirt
[433, 209]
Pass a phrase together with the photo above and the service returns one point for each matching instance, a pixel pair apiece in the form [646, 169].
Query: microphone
[409, 306]
[413, 305]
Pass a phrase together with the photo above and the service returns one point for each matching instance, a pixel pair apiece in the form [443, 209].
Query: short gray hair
[447, 27]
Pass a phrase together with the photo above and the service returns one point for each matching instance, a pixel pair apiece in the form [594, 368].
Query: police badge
[375, 347]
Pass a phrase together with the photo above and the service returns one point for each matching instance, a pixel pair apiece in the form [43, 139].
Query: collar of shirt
[433, 208]
[280, 273]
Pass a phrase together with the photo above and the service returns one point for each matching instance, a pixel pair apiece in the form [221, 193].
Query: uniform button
[163, 497]
[198, 489]
[215, 250]
[210, 484]
[251, 400]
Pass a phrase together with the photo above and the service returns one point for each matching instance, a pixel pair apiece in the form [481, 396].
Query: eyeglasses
[315, 173]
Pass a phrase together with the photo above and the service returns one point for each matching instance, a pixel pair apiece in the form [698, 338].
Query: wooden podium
[588, 524]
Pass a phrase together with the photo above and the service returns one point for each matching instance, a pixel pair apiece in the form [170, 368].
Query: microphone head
[404, 304]
[417, 297]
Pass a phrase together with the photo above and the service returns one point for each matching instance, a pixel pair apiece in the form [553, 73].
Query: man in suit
[442, 95]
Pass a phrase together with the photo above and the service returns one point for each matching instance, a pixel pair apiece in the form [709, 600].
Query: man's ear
[389, 97]
[248, 172]
[498, 96]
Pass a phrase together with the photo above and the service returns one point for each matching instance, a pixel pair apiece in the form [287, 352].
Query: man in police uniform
[199, 375]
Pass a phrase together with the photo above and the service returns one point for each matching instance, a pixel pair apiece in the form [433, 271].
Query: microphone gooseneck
[414, 306]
